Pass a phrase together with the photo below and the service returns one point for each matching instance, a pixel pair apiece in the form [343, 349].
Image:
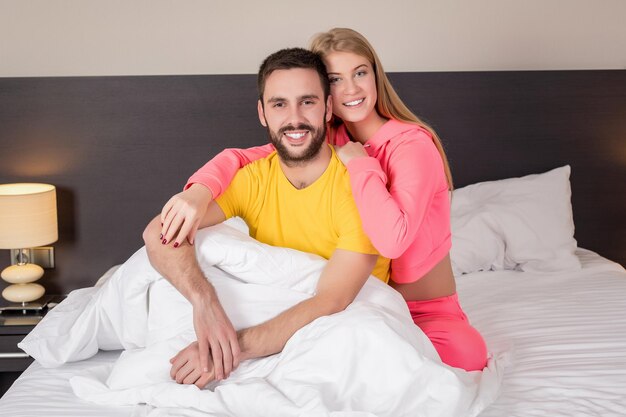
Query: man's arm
[340, 282]
[183, 212]
[180, 267]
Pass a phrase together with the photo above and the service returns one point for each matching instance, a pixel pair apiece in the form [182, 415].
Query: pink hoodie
[400, 191]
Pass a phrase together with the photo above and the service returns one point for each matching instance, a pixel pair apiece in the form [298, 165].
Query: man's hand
[216, 337]
[186, 368]
[182, 214]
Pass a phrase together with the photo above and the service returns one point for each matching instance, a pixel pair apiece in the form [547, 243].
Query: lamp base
[23, 293]
[22, 277]
[22, 273]
[8, 308]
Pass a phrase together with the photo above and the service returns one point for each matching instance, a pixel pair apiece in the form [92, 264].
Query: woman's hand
[182, 214]
[351, 150]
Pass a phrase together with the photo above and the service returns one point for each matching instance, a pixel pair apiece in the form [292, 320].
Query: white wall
[127, 37]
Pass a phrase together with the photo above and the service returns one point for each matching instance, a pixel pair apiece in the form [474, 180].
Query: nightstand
[14, 325]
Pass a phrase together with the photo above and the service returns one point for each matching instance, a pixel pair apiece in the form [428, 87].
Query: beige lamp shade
[28, 215]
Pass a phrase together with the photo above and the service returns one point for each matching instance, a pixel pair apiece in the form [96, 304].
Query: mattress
[46, 392]
[563, 336]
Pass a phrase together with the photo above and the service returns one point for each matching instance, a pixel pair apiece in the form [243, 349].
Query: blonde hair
[389, 104]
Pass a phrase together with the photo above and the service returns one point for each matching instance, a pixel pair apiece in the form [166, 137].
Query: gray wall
[149, 37]
[118, 147]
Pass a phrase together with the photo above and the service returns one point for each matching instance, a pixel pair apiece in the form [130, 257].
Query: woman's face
[352, 86]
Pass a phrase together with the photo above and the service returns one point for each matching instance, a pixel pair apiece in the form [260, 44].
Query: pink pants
[446, 325]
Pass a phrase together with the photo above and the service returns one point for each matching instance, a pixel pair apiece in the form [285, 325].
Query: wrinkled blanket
[369, 360]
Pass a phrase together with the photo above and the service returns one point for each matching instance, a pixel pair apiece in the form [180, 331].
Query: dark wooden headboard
[118, 147]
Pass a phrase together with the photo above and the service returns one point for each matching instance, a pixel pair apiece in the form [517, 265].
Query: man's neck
[303, 174]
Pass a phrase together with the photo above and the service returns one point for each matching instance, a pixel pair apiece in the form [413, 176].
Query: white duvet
[369, 360]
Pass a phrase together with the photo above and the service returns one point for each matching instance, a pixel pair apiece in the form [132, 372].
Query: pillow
[518, 223]
[477, 243]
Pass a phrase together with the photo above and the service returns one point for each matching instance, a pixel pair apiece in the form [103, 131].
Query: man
[298, 197]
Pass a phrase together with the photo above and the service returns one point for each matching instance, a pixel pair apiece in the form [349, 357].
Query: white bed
[552, 316]
[566, 350]
[46, 392]
[565, 333]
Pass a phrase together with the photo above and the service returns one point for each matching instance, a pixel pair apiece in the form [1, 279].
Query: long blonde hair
[389, 104]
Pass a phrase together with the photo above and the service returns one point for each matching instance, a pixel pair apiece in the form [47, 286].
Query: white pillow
[518, 223]
[477, 243]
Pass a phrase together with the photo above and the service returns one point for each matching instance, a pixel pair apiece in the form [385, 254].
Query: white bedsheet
[369, 360]
[566, 333]
[47, 392]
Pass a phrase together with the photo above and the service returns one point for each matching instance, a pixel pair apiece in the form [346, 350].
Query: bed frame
[118, 147]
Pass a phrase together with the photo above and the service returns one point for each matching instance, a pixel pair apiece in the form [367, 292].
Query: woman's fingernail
[164, 241]
[175, 244]
[161, 236]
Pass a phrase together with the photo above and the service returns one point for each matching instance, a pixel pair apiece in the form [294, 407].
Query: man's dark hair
[292, 58]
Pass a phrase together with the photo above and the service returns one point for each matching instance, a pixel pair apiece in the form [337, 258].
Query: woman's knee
[459, 345]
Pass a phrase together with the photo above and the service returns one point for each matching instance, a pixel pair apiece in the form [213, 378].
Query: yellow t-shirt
[317, 219]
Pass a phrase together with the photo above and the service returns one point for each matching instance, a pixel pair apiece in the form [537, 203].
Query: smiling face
[352, 86]
[295, 114]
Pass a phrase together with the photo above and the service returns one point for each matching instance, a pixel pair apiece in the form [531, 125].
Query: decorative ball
[23, 293]
[22, 274]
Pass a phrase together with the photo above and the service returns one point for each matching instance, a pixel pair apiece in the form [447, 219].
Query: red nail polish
[164, 241]
[161, 236]
[175, 244]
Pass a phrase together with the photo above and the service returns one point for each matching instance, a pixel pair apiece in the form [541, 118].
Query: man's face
[295, 114]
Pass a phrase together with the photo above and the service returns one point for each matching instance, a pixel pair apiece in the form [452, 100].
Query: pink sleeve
[217, 174]
[340, 136]
[392, 217]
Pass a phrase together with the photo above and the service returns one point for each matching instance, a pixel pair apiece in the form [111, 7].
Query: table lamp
[28, 218]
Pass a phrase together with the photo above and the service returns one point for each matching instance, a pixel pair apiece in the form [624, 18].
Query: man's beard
[318, 137]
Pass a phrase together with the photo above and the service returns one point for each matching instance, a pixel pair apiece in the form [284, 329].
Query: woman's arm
[217, 174]
[181, 215]
[393, 216]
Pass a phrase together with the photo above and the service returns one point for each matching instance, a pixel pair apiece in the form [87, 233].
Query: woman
[401, 184]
